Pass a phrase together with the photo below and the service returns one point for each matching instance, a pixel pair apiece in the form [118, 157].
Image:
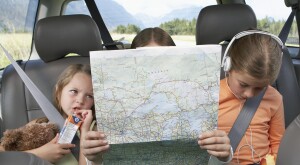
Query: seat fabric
[54, 38]
[288, 152]
[24, 158]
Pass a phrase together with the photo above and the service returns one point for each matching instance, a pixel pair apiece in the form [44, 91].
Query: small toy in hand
[30, 136]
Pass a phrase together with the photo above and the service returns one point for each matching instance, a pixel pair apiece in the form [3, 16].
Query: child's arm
[2, 148]
[216, 143]
[52, 151]
[92, 143]
[93, 146]
[276, 131]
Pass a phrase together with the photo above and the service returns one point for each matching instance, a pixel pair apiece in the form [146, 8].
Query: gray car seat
[219, 23]
[54, 38]
[24, 158]
[288, 152]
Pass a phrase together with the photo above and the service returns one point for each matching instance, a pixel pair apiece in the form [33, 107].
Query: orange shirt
[265, 130]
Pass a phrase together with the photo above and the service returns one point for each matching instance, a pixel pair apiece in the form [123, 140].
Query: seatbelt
[49, 110]
[244, 119]
[283, 35]
[105, 35]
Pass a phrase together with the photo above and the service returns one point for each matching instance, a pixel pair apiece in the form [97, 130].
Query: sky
[276, 8]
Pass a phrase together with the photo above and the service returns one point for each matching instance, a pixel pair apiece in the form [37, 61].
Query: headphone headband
[246, 33]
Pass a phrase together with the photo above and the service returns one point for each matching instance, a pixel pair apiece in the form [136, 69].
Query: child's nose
[249, 93]
[79, 99]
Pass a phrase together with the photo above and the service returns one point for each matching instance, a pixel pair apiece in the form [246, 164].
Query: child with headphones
[251, 63]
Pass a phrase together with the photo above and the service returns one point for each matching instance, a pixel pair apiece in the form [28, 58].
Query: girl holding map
[74, 95]
[252, 64]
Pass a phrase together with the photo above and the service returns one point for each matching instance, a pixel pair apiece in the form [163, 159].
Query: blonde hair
[65, 78]
[258, 55]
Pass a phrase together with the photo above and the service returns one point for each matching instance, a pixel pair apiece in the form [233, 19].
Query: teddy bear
[31, 136]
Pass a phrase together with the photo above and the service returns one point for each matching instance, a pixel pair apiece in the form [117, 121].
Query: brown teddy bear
[30, 136]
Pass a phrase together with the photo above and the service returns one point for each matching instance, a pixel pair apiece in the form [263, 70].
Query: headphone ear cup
[227, 64]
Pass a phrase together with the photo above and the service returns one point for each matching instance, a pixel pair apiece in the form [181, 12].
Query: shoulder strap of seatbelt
[105, 35]
[49, 110]
[244, 118]
[283, 35]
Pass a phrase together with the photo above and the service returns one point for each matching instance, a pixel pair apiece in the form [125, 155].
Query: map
[156, 99]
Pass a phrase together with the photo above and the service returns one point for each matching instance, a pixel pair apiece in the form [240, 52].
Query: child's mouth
[76, 109]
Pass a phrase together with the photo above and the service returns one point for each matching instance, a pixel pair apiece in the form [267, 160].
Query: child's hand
[52, 151]
[216, 143]
[269, 159]
[87, 117]
[93, 145]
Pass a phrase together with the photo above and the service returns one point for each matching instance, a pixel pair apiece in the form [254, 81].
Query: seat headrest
[219, 23]
[290, 3]
[57, 36]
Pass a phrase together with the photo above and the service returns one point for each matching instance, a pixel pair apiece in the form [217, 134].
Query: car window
[273, 17]
[124, 18]
[16, 28]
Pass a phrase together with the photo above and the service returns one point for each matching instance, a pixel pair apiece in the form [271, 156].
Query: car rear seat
[54, 38]
[24, 158]
[219, 23]
[289, 148]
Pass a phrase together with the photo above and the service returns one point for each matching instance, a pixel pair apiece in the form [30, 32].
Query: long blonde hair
[64, 79]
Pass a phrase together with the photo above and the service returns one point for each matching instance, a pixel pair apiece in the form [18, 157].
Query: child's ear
[227, 74]
[56, 88]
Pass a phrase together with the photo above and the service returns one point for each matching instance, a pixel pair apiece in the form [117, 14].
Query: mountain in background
[11, 21]
[112, 13]
[185, 13]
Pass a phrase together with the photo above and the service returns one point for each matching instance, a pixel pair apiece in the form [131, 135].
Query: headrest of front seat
[217, 23]
[290, 3]
[57, 36]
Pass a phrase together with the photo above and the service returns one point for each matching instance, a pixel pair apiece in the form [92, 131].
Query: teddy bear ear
[42, 120]
[52, 129]
[10, 139]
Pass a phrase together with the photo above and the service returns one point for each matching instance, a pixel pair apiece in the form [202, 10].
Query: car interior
[54, 38]
[9, 158]
[68, 39]
[288, 145]
[211, 18]
[207, 32]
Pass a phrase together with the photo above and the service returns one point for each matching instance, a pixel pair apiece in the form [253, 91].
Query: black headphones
[226, 62]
